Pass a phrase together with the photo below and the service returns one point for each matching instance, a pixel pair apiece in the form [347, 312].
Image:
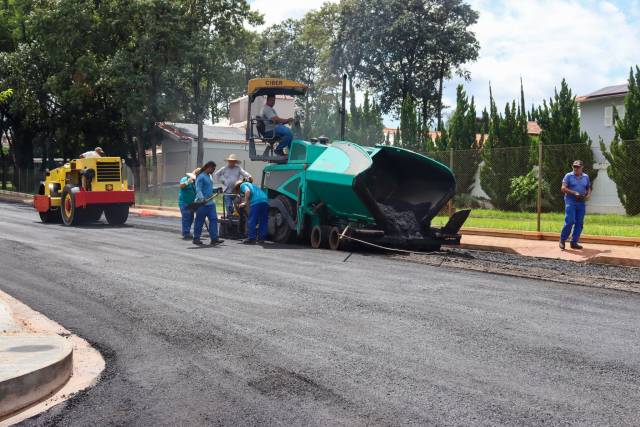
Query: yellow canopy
[274, 86]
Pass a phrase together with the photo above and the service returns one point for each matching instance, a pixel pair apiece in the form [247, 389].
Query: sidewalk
[41, 363]
[628, 256]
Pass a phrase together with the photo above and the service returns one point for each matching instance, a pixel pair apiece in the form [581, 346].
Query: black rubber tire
[116, 214]
[69, 213]
[282, 232]
[49, 216]
[319, 237]
[93, 213]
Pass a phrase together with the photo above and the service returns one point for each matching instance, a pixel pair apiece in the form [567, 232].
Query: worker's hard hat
[237, 185]
[196, 171]
[232, 158]
[99, 150]
[191, 175]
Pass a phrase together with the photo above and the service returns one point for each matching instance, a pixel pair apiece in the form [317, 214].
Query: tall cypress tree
[462, 139]
[505, 153]
[624, 153]
[409, 124]
[563, 142]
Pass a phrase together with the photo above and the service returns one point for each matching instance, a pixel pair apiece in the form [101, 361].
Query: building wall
[285, 106]
[180, 157]
[592, 121]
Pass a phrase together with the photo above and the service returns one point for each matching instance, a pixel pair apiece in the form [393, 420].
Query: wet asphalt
[285, 335]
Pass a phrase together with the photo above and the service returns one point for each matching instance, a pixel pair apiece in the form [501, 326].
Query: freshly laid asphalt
[294, 336]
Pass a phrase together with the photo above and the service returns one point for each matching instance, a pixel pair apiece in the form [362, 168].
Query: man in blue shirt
[186, 196]
[204, 192]
[258, 203]
[576, 187]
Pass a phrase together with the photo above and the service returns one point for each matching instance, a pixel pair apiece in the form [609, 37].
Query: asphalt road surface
[294, 336]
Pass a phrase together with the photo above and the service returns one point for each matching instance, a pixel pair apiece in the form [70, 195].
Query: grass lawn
[595, 224]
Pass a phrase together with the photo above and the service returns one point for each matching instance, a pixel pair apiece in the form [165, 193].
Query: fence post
[450, 204]
[539, 201]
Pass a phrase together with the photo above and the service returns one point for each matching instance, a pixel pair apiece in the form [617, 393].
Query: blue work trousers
[258, 216]
[573, 219]
[206, 211]
[187, 220]
[285, 135]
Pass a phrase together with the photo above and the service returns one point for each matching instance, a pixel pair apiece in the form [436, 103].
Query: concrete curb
[40, 366]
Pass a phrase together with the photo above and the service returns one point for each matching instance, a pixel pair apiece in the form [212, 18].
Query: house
[179, 141]
[596, 119]
[179, 145]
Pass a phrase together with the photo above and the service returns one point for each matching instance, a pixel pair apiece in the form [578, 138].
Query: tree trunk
[142, 163]
[200, 157]
[154, 162]
[440, 85]
[198, 113]
[425, 113]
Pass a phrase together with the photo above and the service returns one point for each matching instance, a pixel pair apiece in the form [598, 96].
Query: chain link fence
[518, 188]
[515, 188]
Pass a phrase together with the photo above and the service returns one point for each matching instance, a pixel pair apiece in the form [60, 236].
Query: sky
[591, 43]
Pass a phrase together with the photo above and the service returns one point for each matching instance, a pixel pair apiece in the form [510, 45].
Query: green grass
[595, 224]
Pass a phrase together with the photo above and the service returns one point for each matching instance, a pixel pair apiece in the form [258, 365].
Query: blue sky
[590, 43]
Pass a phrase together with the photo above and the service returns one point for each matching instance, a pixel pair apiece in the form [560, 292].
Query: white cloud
[275, 11]
[592, 44]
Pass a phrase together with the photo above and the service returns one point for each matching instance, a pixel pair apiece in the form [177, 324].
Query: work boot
[575, 245]
[562, 244]
[261, 241]
[279, 152]
[197, 242]
[216, 242]
[187, 237]
[249, 242]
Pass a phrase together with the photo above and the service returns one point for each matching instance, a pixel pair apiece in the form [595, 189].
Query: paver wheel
[116, 214]
[69, 212]
[278, 226]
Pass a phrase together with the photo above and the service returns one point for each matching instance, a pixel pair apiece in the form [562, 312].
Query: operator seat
[270, 138]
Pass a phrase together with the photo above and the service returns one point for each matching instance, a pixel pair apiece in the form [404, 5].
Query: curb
[34, 385]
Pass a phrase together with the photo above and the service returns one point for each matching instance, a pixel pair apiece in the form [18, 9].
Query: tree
[399, 48]
[462, 139]
[409, 125]
[505, 153]
[624, 152]
[563, 142]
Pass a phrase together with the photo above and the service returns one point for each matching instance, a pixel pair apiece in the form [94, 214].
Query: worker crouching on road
[228, 176]
[576, 187]
[255, 199]
[204, 193]
[186, 196]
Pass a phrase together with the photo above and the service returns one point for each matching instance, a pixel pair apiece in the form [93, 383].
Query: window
[608, 116]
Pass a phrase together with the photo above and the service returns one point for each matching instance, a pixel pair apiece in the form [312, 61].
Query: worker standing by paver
[576, 187]
[255, 199]
[186, 196]
[228, 176]
[204, 193]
